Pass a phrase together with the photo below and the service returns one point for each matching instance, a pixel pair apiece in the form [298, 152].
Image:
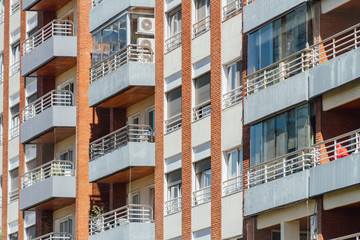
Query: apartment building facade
[153, 119]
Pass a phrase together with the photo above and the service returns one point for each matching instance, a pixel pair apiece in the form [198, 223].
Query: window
[234, 165]
[67, 155]
[15, 53]
[151, 118]
[30, 232]
[202, 9]
[174, 184]
[13, 236]
[135, 198]
[202, 97]
[202, 181]
[234, 79]
[174, 22]
[279, 39]
[66, 226]
[283, 134]
[14, 184]
[15, 120]
[135, 119]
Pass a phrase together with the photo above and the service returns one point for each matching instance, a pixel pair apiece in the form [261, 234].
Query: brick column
[5, 156]
[159, 120]
[216, 119]
[83, 114]
[186, 36]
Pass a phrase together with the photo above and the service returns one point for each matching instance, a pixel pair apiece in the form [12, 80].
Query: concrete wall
[141, 186]
[128, 231]
[2, 37]
[131, 154]
[26, 4]
[13, 210]
[232, 127]
[201, 217]
[14, 21]
[14, 84]
[130, 74]
[56, 46]
[172, 61]
[140, 109]
[53, 187]
[110, 8]
[173, 143]
[200, 131]
[232, 217]
[200, 47]
[172, 225]
[231, 39]
[262, 11]
[56, 116]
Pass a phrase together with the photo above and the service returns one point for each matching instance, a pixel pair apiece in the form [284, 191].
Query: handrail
[232, 97]
[232, 9]
[202, 196]
[130, 53]
[55, 236]
[94, 3]
[138, 213]
[201, 26]
[53, 98]
[173, 205]
[202, 110]
[233, 185]
[15, 6]
[313, 156]
[13, 195]
[351, 236]
[47, 170]
[173, 123]
[2, 17]
[1, 77]
[14, 132]
[56, 27]
[14, 68]
[173, 42]
[120, 137]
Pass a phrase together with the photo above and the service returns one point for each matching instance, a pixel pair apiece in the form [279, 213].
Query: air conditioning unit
[146, 26]
[148, 42]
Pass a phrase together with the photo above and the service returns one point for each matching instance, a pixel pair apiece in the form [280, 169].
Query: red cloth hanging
[340, 152]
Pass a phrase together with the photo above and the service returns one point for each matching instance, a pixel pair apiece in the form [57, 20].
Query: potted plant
[96, 214]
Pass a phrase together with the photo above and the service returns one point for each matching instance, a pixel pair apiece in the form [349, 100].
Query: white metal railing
[1, 139]
[94, 3]
[131, 53]
[53, 98]
[120, 137]
[2, 17]
[13, 195]
[233, 185]
[232, 8]
[173, 206]
[55, 236]
[233, 97]
[54, 168]
[56, 27]
[173, 123]
[355, 236]
[173, 42]
[303, 60]
[14, 132]
[320, 153]
[201, 26]
[202, 110]
[14, 68]
[15, 6]
[132, 213]
[1, 77]
[202, 196]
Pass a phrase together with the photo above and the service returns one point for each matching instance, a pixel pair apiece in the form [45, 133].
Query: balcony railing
[202, 196]
[94, 3]
[355, 236]
[14, 68]
[2, 17]
[202, 110]
[173, 42]
[233, 185]
[54, 28]
[1, 77]
[1, 139]
[173, 123]
[201, 26]
[55, 236]
[131, 53]
[233, 97]
[132, 213]
[305, 59]
[54, 168]
[232, 9]
[13, 195]
[15, 6]
[14, 132]
[119, 138]
[173, 206]
[306, 158]
[53, 98]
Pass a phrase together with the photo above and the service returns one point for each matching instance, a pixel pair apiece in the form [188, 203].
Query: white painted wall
[232, 127]
[61, 214]
[14, 83]
[201, 217]
[13, 209]
[200, 47]
[201, 131]
[142, 186]
[14, 21]
[172, 61]
[232, 215]
[140, 108]
[1, 37]
[13, 147]
[231, 39]
[172, 225]
[1, 95]
[172, 143]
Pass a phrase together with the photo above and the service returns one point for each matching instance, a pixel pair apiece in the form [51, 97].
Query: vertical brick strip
[83, 187]
[216, 111]
[21, 232]
[5, 136]
[186, 36]
[159, 120]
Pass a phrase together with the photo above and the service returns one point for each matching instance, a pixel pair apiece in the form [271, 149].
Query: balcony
[48, 187]
[324, 167]
[232, 97]
[202, 196]
[201, 27]
[201, 111]
[173, 123]
[232, 9]
[173, 206]
[173, 42]
[55, 236]
[129, 151]
[50, 51]
[123, 79]
[355, 236]
[53, 111]
[43, 5]
[128, 222]
[233, 185]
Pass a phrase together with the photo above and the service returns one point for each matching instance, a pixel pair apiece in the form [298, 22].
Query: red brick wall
[159, 120]
[100, 124]
[117, 118]
[44, 85]
[44, 223]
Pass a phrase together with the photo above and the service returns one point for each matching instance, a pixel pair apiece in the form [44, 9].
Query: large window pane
[174, 102]
[281, 132]
[302, 126]
[202, 89]
[256, 144]
[269, 139]
[266, 50]
[253, 52]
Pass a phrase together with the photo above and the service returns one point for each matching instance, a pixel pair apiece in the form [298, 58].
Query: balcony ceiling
[55, 67]
[55, 135]
[54, 204]
[48, 5]
[124, 176]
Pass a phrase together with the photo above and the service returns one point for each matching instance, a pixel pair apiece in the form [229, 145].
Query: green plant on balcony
[57, 169]
[96, 213]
